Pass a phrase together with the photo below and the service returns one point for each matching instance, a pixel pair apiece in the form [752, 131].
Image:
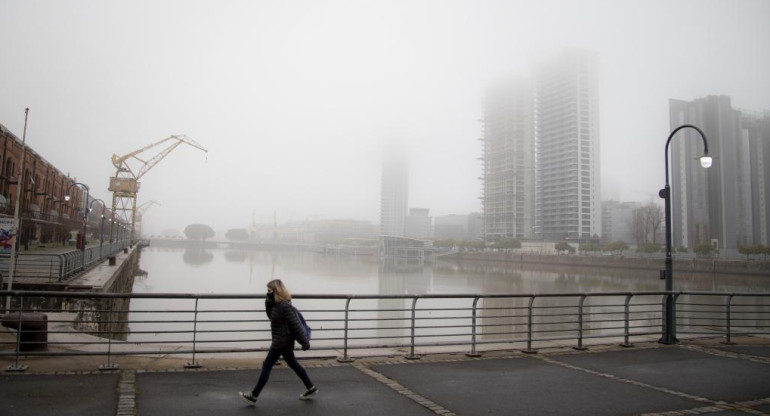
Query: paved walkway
[696, 377]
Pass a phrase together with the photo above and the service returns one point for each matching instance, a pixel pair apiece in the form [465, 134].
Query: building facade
[419, 224]
[568, 188]
[467, 227]
[755, 130]
[508, 192]
[394, 190]
[616, 221]
[724, 205]
[46, 217]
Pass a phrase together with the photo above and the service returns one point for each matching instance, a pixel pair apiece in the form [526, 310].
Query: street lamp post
[669, 334]
[85, 218]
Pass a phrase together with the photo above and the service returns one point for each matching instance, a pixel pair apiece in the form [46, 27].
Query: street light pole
[85, 219]
[669, 333]
[16, 221]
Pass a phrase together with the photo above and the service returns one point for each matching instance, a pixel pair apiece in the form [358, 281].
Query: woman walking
[285, 328]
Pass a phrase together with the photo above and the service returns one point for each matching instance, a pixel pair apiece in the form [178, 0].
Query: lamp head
[705, 161]
[67, 197]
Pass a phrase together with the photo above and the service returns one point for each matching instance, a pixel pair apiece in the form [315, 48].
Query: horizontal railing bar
[430, 322]
[356, 296]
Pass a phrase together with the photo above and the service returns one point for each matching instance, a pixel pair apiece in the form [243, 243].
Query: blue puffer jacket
[284, 326]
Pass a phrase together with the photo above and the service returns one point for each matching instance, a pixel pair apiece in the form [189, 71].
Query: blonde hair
[279, 290]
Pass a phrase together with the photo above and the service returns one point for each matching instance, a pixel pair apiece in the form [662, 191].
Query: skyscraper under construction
[541, 173]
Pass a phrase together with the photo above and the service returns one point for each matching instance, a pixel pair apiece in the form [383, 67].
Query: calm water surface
[176, 270]
[220, 271]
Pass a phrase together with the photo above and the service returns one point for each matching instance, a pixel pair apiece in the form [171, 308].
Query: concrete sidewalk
[699, 376]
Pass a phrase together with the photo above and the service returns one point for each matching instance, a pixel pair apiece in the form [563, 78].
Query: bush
[590, 246]
[648, 248]
[705, 250]
[618, 246]
[564, 246]
[507, 243]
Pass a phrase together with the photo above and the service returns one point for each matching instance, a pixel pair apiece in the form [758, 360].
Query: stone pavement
[698, 376]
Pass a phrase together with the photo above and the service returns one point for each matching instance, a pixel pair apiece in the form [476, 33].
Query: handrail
[58, 266]
[188, 323]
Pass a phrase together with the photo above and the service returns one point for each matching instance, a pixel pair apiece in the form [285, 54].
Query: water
[177, 270]
[220, 271]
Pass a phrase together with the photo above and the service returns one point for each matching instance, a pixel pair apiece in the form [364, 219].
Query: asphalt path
[652, 380]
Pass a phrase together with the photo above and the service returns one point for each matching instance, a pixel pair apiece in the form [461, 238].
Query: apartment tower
[394, 190]
[568, 189]
[508, 196]
[725, 205]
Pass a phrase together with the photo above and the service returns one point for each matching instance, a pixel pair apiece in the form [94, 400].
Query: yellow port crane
[125, 184]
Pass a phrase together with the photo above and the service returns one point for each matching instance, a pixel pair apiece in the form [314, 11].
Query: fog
[293, 99]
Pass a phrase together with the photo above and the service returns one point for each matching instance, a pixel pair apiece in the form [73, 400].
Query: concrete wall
[620, 262]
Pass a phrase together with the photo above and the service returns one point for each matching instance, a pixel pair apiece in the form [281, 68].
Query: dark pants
[270, 360]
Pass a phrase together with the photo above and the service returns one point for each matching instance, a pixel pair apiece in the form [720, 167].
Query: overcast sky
[293, 99]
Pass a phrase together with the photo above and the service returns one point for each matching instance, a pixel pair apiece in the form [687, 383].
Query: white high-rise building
[395, 190]
[568, 198]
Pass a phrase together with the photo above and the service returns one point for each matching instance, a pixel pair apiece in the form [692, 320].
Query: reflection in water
[398, 276]
[197, 256]
[499, 319]
[236, 256]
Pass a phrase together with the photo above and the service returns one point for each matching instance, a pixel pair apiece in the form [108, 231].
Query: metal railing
[109, 325]
[42, 267]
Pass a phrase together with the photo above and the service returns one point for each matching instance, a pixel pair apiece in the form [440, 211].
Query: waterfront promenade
[698, 376]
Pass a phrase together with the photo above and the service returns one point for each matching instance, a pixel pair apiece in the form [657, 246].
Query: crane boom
[121, 162]
[125, 184]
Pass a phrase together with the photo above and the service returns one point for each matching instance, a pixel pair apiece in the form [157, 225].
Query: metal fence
[43, 267]
[108, 325]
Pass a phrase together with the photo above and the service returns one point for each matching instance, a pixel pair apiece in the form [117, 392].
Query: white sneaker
[308, 394]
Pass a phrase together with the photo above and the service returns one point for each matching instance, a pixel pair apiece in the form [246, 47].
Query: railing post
[529, 349]
[663, 317]
[728, 339]
[412, 355]
[109, 365]
[627, 325]
[193, 363]
[16, 366]
[473, 352]
[580, 346]
[345, 358]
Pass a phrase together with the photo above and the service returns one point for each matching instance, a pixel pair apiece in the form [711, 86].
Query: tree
[618, 246]
[198, 232]
[637, 227]
[589, 246]
[648, 248]
[444, 243]
[476, 245]
[237, 234]
[754, 250]
[645, 223]
[507, 243]
[747, 250]
[653, 218]
[705, 250]
[564, 246]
